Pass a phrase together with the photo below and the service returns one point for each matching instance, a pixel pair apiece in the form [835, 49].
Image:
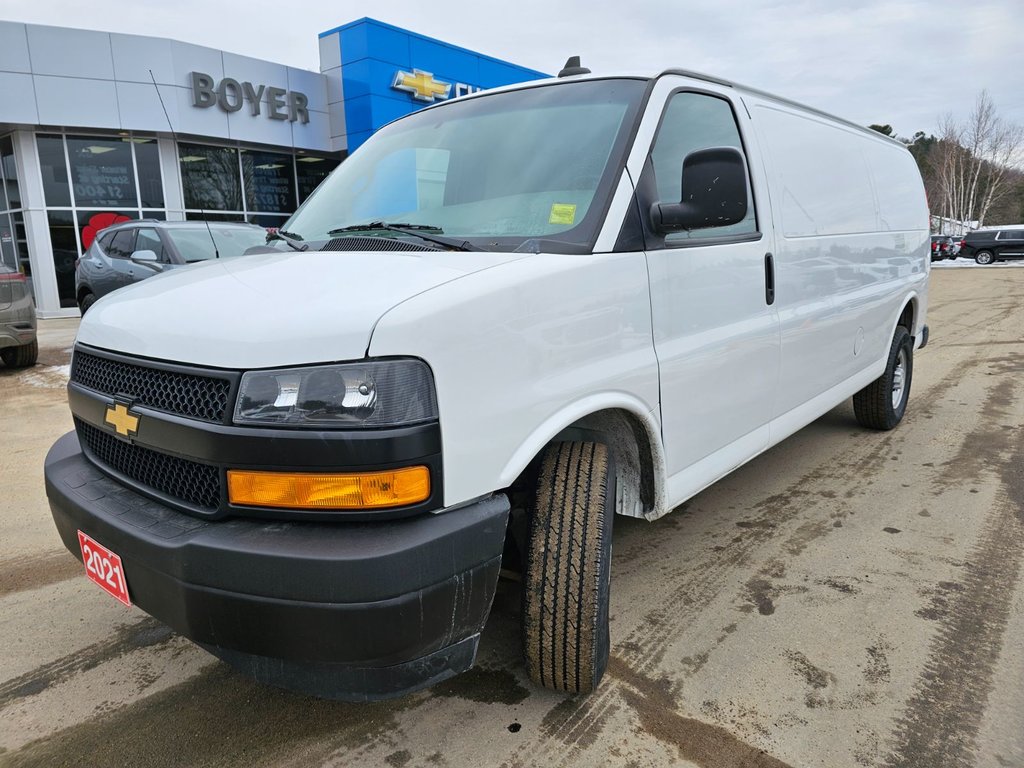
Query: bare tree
[974, 158]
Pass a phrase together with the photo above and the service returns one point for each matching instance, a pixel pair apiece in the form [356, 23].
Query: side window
[106, 240]
[149, 240]
[694, 121]
[123, 244]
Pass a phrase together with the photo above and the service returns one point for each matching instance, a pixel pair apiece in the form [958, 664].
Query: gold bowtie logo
[123, 422]
[421, 85]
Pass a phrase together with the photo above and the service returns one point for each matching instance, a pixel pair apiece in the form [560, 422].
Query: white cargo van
[500, 321]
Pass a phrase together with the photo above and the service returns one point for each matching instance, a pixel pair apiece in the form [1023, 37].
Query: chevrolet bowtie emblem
[421, 85]
[123, 422]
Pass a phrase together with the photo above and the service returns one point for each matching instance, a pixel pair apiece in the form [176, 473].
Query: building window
[311, 170]
[151, 185]
[102, 173]
[54, 166]
[65, 252]
[210, 178]
[9, 172]
[269, 182]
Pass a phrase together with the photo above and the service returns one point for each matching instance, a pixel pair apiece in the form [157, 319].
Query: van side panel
[842, 275]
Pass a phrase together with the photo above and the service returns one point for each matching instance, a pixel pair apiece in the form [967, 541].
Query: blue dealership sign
[378, 72]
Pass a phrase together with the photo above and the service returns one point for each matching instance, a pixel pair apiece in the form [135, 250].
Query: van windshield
[497, 170]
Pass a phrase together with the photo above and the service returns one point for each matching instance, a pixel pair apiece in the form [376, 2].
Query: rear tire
[568, 570]
[882, 403]
[984, 257]
[20, 357]
[86, 301]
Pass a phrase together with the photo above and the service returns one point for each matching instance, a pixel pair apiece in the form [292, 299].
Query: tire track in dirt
[147, 633]
[34, 571]
[941, 720]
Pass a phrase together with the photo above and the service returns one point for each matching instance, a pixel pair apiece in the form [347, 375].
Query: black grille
[383, 243]
[198, 397]
[194, 483]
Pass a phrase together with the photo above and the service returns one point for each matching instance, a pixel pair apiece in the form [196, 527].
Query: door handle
[769, 279]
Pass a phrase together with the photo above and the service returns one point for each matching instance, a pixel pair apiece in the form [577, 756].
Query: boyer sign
[231, 96]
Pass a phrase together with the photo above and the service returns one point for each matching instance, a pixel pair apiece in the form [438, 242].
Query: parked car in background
[955, 244]
[18, 345]
[987, 246]
[941, 247]
[132, 251]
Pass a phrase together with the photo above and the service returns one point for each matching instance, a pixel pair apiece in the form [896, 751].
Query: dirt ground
[847, 599]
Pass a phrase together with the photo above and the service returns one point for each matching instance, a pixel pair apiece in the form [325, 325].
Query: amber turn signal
[305, 490]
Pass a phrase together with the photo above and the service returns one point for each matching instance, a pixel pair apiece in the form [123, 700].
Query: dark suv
[987, 246]
[127, 253]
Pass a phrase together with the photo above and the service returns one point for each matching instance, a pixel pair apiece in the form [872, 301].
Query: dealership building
[86, 133]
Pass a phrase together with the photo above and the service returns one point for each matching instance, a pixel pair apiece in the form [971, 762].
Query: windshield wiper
[416, 230]
[294, 241]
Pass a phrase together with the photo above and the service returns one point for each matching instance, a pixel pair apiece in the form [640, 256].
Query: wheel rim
[984, 258]
[899, 379]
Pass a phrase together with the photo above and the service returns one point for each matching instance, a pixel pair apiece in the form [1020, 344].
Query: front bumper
[345, 610]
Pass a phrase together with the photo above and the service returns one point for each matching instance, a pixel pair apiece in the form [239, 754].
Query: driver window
[695, 121]
[149, 240]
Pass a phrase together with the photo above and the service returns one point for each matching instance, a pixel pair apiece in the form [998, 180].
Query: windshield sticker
[562, 213]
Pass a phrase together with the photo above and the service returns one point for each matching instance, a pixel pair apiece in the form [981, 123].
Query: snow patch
[49, 377]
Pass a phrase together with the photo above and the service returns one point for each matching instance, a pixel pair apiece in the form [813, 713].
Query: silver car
[127, 253]
[18, 345]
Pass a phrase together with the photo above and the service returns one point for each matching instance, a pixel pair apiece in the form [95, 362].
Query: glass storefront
[94, 181]
[91, 182]
[254, 185]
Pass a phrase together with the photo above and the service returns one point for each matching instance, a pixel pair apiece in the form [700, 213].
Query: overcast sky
[903, 62]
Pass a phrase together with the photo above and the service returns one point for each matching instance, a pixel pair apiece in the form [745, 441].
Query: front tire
[568, 570]
[882, 403]
[984, 257]
[20, 357]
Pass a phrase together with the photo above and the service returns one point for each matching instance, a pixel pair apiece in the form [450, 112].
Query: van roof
[694, 76]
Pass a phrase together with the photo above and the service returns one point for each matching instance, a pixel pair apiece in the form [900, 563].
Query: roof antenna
[572, 67]
[202, 212]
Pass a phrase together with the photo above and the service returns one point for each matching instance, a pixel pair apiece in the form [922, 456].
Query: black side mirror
[714, 192]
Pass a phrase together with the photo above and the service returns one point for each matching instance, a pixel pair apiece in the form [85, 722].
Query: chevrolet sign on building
[85, 141]
[383, 72]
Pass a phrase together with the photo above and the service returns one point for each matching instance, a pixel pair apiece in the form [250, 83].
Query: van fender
[632, 473]
[912, 298]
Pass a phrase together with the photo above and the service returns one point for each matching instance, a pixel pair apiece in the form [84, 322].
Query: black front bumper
[347, 610]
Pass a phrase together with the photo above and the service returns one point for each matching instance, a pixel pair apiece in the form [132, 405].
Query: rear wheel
[568, 570]
[20, 357]
[984, 257]
[85, 302]
[882, 403]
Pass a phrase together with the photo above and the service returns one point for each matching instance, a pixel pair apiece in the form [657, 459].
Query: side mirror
[714, 192]
[146, 255]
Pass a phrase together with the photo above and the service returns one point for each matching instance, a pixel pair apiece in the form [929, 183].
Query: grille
[198, 397]
[194, 483]
[382, 243]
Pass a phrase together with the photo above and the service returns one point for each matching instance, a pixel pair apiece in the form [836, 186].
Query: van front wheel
[568, 568]
[882, 403]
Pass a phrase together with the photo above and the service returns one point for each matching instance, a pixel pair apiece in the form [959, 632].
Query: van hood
[273, 309]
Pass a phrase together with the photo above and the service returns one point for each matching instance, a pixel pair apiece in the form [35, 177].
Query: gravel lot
[847, 599]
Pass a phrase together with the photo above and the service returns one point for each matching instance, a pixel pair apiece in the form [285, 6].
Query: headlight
[378, 393]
